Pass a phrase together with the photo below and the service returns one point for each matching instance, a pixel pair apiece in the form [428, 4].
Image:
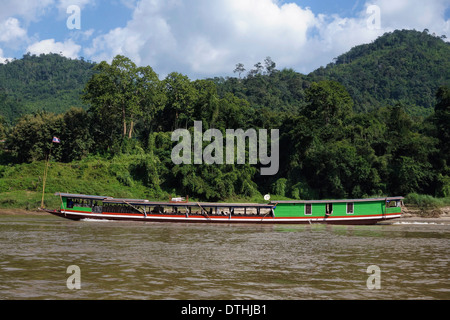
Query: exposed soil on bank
[413, 214]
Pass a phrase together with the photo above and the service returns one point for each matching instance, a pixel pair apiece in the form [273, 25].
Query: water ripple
[178, 261]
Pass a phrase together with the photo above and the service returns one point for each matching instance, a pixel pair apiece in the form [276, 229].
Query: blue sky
[205, 38]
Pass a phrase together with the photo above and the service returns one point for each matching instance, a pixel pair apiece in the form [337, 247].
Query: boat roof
[143, 202]
[81, 196]
[338, 201]
[186, 204]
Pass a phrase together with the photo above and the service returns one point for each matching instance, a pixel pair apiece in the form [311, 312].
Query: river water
[121, 260]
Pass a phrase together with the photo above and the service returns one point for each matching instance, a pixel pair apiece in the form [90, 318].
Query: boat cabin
[334, 208]
[353, 211]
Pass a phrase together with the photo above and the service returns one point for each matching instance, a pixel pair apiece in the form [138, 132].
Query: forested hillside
[337, 140]
[403, 66]
[47, 82]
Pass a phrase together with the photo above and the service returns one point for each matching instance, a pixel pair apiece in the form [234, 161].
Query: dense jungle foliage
[374, 122]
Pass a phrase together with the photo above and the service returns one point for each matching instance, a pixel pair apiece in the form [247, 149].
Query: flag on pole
[56, 140]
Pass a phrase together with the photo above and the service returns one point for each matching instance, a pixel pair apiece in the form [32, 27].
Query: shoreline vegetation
[416, 208]
[373, 123]
[21, 187]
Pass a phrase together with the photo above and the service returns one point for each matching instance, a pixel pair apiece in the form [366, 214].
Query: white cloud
[15, 17]
[335, 36]
[10, 30]
[3, 59]
[207, 37]
[63, 5]
[414, 14]
[67, 48]
[29, 10]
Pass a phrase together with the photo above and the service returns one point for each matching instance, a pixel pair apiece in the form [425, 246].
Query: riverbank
[21, 212]
[415, 214]
[419, 220]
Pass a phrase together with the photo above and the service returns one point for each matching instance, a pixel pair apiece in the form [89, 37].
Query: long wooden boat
[344, 212]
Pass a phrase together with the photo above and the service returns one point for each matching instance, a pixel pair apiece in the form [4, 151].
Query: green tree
[31, 138]
[76, 139]
[234, 113]
[329, 104]
[113, 91]
[181, 97]
[206, 107]
[408, 155]
[270, 66]
[279, 187]
[337, 170]
[442, 121]
[120, 95]
[239, 69]
[152, 100]
[3, 128]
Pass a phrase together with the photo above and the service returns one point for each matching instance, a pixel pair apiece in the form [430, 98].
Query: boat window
[329, 208]
[391, 204]
[97, 209]
[308, 208]
[350, 208]
[119, 208]
[69, 203]
[80, 203]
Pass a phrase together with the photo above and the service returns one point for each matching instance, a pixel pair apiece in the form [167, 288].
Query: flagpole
[45, 175]
[46, 170]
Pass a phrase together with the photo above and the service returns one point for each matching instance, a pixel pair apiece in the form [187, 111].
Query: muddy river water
[46, 257]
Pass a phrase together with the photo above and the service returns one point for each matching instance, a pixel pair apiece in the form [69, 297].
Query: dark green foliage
[442, 121]
[76, 139]
[47, 82]
[329, 104]
[403, 66]
[363, 126]
[31, 138]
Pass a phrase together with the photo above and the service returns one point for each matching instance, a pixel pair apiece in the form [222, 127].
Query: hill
[326, 149]
[47, 82]
[403, 66]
